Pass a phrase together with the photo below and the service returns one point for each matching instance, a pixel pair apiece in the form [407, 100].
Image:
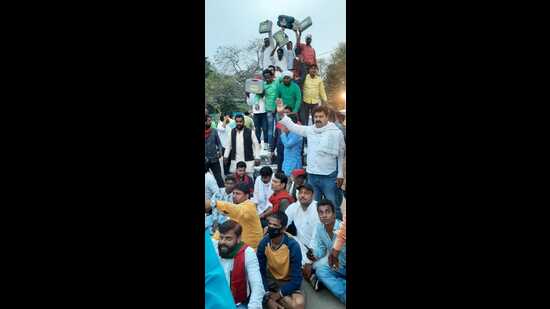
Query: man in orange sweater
[243, 211]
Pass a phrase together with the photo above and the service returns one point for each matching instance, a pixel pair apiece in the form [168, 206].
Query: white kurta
[239, 152]
[262, 193]
[254, 284]
[305, 222]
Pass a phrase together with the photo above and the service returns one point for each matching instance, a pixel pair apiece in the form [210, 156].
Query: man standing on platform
[243, 146]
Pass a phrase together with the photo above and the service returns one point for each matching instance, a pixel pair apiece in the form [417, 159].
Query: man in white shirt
[305, 217]
[210, 183]
[259, 117]
[241, 267]
[290, 55]
[224, 127]
[325, 153]
[279, 61]
[267, 51]
[243, 146]
[262, 193]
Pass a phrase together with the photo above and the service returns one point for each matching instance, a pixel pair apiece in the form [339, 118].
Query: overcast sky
[235, 22]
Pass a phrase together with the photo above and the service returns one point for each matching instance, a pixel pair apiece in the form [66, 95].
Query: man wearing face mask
[280, 261]
[240, 265]
[325, 153]
[242, 211]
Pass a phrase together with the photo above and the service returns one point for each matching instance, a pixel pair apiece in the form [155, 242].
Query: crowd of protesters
[273, 228]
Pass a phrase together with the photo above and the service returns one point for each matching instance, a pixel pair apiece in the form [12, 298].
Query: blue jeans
[270, 126]
[325, 186]
[334, 281]
[260, 123]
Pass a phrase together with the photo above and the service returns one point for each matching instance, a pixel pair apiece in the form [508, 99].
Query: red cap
[298, 172]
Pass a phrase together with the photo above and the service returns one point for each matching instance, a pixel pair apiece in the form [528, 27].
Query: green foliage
[224, 87]
[335, 77]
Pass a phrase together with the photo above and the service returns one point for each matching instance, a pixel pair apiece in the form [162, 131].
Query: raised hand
[280, 106]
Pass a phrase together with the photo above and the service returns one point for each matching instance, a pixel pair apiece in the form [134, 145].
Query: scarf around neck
[235, 250]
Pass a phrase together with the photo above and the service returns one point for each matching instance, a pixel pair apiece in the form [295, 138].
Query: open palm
[280, 106]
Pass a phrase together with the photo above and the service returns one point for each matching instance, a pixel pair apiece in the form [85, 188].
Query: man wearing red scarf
[280, 199]
[241, 267]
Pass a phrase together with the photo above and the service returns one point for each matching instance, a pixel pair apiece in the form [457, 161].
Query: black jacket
[212, 146]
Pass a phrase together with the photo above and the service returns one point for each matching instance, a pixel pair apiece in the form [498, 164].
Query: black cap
[243, 187]
[306, 186]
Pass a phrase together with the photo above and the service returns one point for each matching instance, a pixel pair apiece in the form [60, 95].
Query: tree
[207, 67]
[225, 78]
[335, 78]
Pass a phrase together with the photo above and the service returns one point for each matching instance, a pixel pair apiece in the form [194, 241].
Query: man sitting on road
[305, 218]
[243, 211]
[240, 265]
[210, 183]
[216, 290]
[213, 217]
[262, 193]
[280, 199]
[280, 261]
[298, 177]
[334, 278]
[242, 176]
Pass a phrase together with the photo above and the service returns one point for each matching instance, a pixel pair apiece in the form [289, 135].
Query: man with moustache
[307, 53]
[242, 211]
[332, 276]
[290, 92]
[243, 146]
[216, 290]
[305, 218]
[325, 153]
[240, 265]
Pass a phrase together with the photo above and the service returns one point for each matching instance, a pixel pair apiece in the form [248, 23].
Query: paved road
[322, 299]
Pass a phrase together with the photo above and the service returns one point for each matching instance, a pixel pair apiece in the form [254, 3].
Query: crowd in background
[277, 221]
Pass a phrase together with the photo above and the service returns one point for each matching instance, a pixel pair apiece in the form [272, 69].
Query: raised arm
[298, 36]
[274, 50]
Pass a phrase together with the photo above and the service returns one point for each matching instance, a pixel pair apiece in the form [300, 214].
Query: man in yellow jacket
[244, 212]
[314, 94]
